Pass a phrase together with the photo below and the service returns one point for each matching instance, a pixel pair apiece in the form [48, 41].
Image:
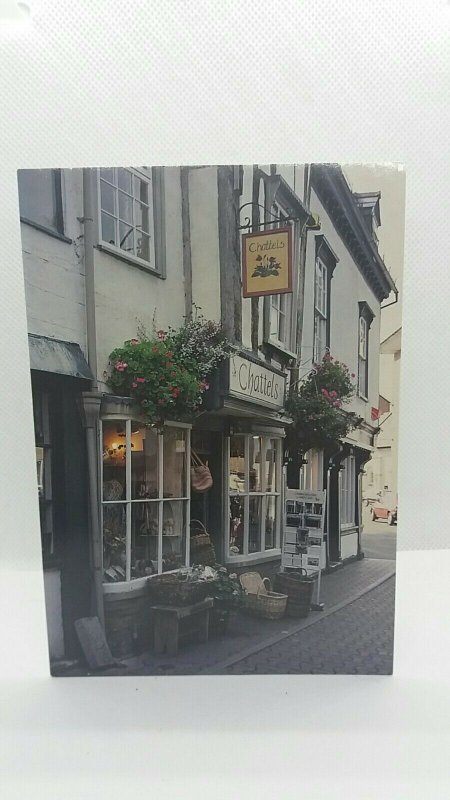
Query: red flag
[375, 413]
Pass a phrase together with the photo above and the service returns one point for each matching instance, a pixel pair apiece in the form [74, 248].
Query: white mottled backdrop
[207, 81]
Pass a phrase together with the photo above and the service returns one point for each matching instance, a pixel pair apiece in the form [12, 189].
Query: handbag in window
[201, 478]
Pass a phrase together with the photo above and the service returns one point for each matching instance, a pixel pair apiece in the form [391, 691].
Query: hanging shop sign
[267, 262]
[255, 383]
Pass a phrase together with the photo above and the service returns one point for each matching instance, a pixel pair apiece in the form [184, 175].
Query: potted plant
[227, 593]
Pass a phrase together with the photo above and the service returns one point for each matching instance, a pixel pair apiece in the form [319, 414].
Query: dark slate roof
[329, 182]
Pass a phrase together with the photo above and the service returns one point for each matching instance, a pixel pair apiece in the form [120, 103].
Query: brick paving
[357, 640]
[248, 634]
[252, 644]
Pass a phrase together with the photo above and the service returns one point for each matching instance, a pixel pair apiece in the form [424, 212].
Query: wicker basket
[260, 600]
[199, 535]
[171, 590]
[299, 589]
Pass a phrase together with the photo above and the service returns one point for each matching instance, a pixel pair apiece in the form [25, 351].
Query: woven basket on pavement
[299, 589]
[259, 600]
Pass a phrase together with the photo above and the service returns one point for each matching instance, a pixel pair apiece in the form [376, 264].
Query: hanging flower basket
[317, 409]
[167, 373]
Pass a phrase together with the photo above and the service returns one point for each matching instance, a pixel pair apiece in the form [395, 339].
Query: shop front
[144, 514]
[246, 400]
[59, 374]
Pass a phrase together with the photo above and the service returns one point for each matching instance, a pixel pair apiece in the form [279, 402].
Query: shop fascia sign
[255, 383]
[267, 262]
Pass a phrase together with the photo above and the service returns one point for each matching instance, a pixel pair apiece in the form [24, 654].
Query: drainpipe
[89, 243]
[90, 410]
[91, 401]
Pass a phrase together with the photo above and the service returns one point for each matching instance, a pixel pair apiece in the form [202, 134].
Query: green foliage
[226, 588]
[167, 373]
[319, 419]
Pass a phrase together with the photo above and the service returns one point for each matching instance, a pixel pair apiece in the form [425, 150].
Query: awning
[54, 355]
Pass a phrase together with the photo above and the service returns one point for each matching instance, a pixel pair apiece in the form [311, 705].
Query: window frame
[363, 359]
[155, 180]
[246, 494]
[321, 290]
[280, 304]
[365, 316]
[57, 202]
[128, 501]
[347, 493]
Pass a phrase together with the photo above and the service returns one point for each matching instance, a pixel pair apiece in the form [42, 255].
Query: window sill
[267, 555]
[48, 231]
[362, 397]
[346, 529]
[121, 255]
[280, 348]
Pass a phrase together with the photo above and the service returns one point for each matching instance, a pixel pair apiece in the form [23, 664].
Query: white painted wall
[54, 272]
[348, 288]
[127, 295]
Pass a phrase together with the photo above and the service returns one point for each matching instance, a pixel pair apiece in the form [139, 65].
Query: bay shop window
[254, 486]
[145, 499]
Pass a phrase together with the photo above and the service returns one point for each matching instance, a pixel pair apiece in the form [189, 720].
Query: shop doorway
[207, 507]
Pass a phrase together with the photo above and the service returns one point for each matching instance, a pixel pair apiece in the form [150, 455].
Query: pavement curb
[318, 616]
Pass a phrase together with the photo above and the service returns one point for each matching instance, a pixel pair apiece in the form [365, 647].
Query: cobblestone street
[358, 639]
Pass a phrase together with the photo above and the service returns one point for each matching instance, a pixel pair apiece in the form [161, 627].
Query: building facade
[113, 251]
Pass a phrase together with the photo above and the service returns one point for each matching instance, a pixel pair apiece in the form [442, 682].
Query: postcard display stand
[303, 543]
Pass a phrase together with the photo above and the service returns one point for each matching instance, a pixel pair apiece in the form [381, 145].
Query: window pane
[282, 327]
[108, 229]
[107, 193]
[174, 461]
[255, 464]
[107, 175]
[114, 455]
[144, 463]
[174, 534]
[126, 237]
[143, 246]
[144, 539]
[271, 522]
[271, 466]
[141, 217]
[237, 464]
[114, 542]
[38, 189]
[124, 179]
[125, 208]
[140, 189]
[254, 524]
[273, 321]
[237, 517]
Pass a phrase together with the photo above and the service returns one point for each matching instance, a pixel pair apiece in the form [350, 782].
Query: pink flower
[324, 392]
[333, 394]
[140, 380]
[169, 354]
[134, 385]
[353, 375]
[120, 366]
[134, 341]
[162, 335]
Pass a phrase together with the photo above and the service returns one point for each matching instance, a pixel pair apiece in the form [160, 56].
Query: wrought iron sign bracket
[248, 223]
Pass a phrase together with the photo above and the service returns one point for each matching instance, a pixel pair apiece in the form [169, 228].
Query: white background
[207, 82]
